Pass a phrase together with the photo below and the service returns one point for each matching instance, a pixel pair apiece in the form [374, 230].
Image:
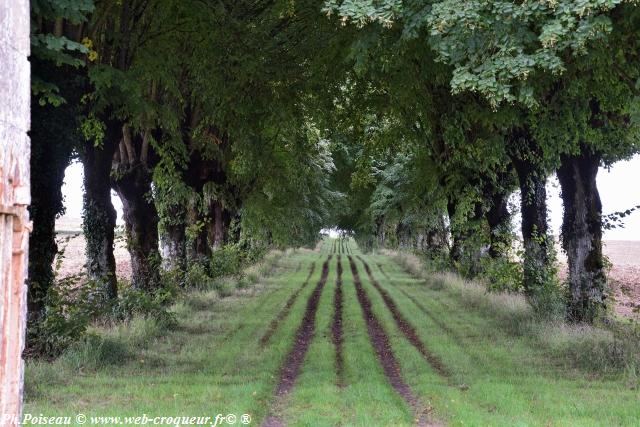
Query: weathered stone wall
[14, 198]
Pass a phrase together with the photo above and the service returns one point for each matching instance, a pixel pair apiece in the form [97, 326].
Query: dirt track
[407, 329]
[304, 336]
[336, 328]
[382, 346]
[273, 326]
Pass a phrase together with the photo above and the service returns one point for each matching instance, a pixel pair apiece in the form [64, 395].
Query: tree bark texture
[141, 222]
[131, 178]
[99, 215]
[525, 157]
[54, 136]
[582, 235]
[173, 240]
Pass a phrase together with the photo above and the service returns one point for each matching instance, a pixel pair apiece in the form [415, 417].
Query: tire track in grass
[304, 335]
[455, 336]
[384, 273]
[407, 328]
[336, 328]
[382, 346]
[264, 298]
[284, 312]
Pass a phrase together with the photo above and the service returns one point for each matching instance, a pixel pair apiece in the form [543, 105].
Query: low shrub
[74, 303]
[226, 261]
[133, 302]
[502, 275]
[95, 351]
[225, 288]
[70, 306]
[197, 277]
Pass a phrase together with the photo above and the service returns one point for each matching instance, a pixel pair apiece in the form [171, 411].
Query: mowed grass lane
[500, 377]
[217, 361]
[211, 363]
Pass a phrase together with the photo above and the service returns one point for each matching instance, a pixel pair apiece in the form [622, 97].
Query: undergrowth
[609, 347]
[76, 305]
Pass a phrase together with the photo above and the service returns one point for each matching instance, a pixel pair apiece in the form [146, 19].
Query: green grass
[507, 367]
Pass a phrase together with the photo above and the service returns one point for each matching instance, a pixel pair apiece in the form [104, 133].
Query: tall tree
[58, 81]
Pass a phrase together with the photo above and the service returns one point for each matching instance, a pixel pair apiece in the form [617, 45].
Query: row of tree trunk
[581, 233]
[123, 162]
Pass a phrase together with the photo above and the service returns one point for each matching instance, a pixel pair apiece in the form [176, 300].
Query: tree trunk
[218, 226]
[196, 248]
[54, 137]
[436, 239]
[475, 247]
[380, 232]
[46, 183]
[532, 181]
[582, 235]
[455, 253]
[141, 221]
[499, 219]
[50, 156]
[99, 215]
[173, 240]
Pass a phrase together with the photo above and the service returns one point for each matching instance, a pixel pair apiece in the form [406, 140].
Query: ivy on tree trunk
[526, 158]
[582, 235]
[133, 185]
[499, 220]
[99, 219]
[173, 239]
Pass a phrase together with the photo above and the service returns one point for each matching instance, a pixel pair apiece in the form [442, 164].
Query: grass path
[331, 337]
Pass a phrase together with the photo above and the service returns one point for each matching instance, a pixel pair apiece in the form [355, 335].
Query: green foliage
[55, 48]
[226, 261]
[69, 308]
[93, 130]
[503, 274]
[197, 277]
[399, 132]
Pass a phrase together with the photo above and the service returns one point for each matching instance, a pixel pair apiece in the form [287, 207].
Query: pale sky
[619, 191]
[72, 190]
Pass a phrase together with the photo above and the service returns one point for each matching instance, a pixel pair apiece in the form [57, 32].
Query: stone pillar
[14, 198]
